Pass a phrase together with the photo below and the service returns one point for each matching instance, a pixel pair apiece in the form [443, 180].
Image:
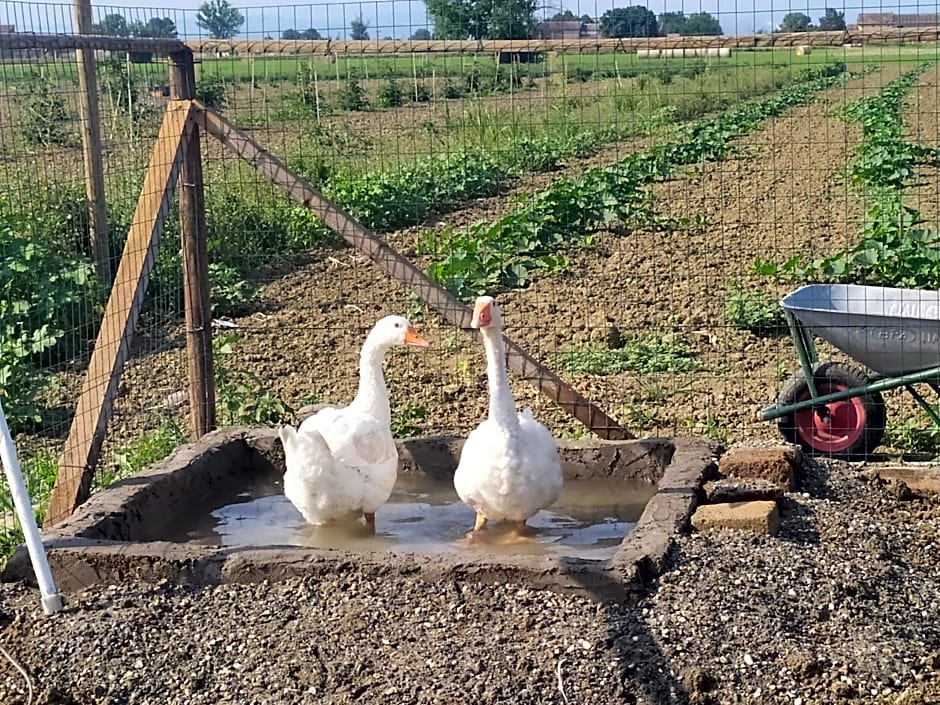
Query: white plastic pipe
[51, 600]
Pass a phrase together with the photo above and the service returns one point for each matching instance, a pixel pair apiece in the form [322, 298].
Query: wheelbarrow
[835, 408]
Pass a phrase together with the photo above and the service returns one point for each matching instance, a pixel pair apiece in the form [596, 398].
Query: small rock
[759, 517]
[778, 464]
[732, 489]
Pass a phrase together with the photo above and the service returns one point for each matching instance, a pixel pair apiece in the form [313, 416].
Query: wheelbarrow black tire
[870, 407]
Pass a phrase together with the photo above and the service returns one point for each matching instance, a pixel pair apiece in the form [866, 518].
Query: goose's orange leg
[370, 523]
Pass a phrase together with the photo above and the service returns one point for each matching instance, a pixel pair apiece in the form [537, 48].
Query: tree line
[831, 21]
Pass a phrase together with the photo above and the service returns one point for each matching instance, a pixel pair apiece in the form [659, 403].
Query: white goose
[342, 462]
[509, 467]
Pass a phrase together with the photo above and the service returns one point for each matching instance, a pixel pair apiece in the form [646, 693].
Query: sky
[399, 18]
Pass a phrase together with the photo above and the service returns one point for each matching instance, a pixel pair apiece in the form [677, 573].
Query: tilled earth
[843, 606]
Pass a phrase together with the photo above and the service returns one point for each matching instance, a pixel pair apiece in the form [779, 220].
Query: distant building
[560, 29]
[591, 29]
[890, 20]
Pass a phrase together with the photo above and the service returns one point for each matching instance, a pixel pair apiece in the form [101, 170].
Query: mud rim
[835, 427]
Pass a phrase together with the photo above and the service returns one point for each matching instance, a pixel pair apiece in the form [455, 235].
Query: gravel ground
[842, 607]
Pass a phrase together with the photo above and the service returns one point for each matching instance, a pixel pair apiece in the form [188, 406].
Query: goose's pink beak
[413, 337]
[482, 315]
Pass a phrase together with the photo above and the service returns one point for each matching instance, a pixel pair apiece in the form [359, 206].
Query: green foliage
[210, 89]
[219, 19]
[754, 311]
[409, 421]
[387, 200]
[912, 437]
[391, 94]
[482, 19]
[698, 23]
[421, 93]
[39, 474]
[832, 21]
[120, 85]
[894, 250]
[884, 158]
[633, 21]
[241, 397]
[44, 311]
[657, 352]
[358, 30]
[151, 448]
[352, 96]
[510, 250]
[796, 22]
[46, 120]
[231, 294]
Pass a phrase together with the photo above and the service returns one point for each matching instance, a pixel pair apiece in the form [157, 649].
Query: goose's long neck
[502, 405]
[373, 394]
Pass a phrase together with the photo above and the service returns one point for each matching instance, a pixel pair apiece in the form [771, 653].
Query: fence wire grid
[637, 213]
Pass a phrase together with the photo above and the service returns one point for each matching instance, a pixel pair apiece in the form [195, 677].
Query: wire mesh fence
[638, 209]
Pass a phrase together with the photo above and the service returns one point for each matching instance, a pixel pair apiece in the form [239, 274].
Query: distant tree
[219, 19]
[586, 19]
[112, 25]
[832, 21]
[421, 35]
[157, 27]
[796, 22]
[482, 19]
[564, 16]
[358, 30]
[700, 24]
[310, 33]
[290, 34]
[633, 21]
[672, 23]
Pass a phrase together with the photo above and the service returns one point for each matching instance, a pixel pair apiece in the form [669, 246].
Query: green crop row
[506, 252]
[894, 249]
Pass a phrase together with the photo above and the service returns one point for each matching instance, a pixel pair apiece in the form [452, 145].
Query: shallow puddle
[588, 521]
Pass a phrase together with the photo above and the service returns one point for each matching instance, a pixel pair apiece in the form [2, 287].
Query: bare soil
[841, 608]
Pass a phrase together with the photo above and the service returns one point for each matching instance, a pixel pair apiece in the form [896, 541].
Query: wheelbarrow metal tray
[891, 331]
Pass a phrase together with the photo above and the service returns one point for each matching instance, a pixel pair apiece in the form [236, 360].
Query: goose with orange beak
[509, 467]
[343, 462]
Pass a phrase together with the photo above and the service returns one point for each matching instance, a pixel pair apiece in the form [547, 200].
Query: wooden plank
[402, 269]
[96, 402]
[196, 287]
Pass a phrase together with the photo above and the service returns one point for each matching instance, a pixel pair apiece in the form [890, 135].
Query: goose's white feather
[343, 461]
[509, 466]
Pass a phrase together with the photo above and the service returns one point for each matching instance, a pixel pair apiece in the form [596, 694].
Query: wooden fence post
[195, 258]
[91, 147]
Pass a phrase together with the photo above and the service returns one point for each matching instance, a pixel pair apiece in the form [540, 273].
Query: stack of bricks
[752, 480]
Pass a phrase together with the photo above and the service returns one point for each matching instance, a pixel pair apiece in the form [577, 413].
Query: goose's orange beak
[482, 315]
[413, 337]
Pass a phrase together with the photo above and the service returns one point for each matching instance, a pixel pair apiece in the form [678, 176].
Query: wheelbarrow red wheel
[850, 429]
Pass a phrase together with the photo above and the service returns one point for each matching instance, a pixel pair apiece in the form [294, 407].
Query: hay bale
[803, 50]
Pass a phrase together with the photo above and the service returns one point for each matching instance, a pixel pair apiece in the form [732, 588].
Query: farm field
[752, 169]
[671, 285]
[641, 263]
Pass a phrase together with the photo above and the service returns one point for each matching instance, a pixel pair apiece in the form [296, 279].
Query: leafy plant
[656, 352]
[45, 312]
[754, 311]
[409, 421]
[210, 89]
[39, 474]
[241, 398]
[911, 436]
[352, 96]
[391, 94]
[47, 119]
[151, 448]
[231, 294]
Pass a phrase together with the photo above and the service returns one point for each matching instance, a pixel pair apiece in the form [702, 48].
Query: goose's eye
[398, 325]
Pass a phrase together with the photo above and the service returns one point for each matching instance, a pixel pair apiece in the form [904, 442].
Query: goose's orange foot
[370, 523]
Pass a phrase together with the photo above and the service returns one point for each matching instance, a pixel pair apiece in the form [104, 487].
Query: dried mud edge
[111, 539]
